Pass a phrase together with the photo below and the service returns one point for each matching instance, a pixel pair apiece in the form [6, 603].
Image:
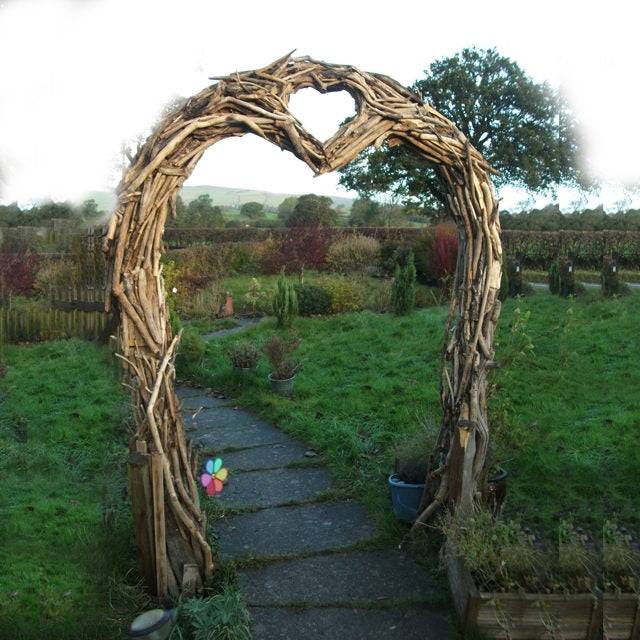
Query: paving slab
[187, 391]
[412, 623]
[191, 404]
[351, 578]
[265, 457]
[226, 427]
[283, 531]
[257, 489]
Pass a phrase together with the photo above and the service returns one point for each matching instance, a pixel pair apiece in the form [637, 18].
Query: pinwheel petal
[217, 484]
[222, 474]
[209, 466]
[205, 479]
[217, 464]
[211, 488]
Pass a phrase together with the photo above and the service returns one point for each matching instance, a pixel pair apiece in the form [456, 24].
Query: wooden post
[159, 534]
[142, 510]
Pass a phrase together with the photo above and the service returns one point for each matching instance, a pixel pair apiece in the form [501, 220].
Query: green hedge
[537, 249]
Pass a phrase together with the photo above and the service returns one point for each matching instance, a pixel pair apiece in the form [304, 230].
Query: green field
[66, 547]
[564, 415]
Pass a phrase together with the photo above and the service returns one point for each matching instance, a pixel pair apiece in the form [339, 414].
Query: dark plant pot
[405, 498]
[245, 370]
[281, 387]
[499, 479]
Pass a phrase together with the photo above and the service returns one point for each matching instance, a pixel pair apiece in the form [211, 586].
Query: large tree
[525, 129]
[252, 210]
[312, 211]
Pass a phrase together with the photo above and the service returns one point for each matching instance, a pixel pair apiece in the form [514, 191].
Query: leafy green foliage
[355, 253]
[525, 130]
[403, 291]
[243, 355]
[285, 302]
[312, 300]
[562, 278]
[312, 211]
[612, 285]
[220, 617]
[190, 350]
[199, 213]
[346, 293]
[252, 210]
[286, 208]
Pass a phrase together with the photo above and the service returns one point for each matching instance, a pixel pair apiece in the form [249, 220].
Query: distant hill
[222, 196]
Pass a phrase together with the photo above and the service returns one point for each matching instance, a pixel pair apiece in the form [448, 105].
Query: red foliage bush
[445, 251]
[18, 270]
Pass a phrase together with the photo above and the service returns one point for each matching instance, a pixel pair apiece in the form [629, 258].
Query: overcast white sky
[79, 77]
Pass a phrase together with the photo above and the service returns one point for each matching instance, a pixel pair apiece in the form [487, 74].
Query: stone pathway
[306, 565]
[243, 325]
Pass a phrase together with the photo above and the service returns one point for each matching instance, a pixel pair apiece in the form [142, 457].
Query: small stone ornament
[213, 476]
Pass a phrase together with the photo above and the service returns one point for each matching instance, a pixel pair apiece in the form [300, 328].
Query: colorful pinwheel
[213, 475]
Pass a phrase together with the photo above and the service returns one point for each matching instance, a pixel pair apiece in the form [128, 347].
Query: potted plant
[284, 365]
[243, 356]
[407, 482]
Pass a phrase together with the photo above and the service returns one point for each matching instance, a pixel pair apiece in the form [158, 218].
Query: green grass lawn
[67, 553]
[564, 415]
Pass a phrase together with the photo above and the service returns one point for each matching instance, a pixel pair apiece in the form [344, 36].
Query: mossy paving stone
[227, 427]
[286, 531]
[273, 487]
[264, 457]
[196, 404]
[410, 623]
[351, 578]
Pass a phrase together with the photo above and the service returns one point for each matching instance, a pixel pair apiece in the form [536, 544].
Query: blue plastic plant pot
[405, 498]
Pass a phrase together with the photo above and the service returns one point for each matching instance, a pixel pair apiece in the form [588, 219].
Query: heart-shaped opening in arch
[321, 114]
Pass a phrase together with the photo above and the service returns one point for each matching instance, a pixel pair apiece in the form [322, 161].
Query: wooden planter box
[528, 616]
[621, 616]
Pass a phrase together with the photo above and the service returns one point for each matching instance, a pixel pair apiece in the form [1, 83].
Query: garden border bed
[576, 616]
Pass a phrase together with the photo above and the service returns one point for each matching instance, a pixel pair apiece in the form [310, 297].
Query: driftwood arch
[170, 524]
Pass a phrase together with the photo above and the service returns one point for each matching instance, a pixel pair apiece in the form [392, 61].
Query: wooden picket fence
[35, 324]
[69, 312]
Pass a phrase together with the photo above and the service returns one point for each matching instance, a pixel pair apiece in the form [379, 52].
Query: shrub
[346, 294]
[380, 297]
[512, 283]
[280, 352]
[243, 355]
[256, 297]
[55, 274]
[354, 253]
[403, 290]
[190, 350]
[436, 253]
[312, 300]
[562, 278]
[285, 302]
[499, 554]
[412, 456]
[18, 271]
[220, 617]
[612, 285]
[203, 303]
